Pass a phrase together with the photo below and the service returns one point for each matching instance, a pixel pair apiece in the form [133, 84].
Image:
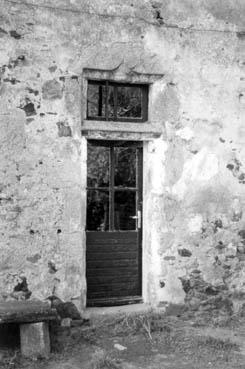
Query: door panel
[114, 200]
[108, 256]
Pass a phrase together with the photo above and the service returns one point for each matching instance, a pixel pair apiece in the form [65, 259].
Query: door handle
[138, 218]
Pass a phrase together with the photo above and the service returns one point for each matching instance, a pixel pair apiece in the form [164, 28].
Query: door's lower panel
[117, 301]
[113, 267]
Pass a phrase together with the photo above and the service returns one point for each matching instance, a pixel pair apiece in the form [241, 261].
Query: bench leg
[34, 340]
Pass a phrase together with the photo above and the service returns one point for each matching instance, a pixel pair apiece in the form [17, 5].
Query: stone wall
[194, 174]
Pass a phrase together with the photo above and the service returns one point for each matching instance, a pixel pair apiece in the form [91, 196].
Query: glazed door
[114, 222]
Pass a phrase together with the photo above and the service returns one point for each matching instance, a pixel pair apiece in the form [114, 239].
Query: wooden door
[114, 222]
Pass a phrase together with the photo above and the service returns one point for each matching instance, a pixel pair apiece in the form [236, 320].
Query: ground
[146, 340]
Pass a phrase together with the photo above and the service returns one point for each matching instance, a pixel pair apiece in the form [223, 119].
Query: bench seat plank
[26, 312]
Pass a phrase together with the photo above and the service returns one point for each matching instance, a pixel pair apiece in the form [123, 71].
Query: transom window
[119, 102]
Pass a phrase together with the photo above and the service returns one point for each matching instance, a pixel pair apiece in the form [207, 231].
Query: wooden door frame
[139, 185]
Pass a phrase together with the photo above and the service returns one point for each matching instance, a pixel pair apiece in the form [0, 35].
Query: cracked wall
[193, 174]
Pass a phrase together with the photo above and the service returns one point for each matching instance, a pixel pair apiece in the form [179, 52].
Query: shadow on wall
[9, 336]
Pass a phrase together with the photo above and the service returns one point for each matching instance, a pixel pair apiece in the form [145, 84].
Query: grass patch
[103, 360]
[217, 343]
[131, 324]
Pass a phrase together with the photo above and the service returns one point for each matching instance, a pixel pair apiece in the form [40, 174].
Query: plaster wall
[194, 176]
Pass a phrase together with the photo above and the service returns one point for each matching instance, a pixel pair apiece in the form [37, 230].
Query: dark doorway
[114, 222]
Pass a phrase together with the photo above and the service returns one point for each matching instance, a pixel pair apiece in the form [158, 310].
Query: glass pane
[96, 97]
[129, 102]
[98, 166]
[125, 166]
[110, 102]
[97, 210]
[125, 209]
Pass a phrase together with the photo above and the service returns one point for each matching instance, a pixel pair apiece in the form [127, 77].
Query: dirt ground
[139, 341]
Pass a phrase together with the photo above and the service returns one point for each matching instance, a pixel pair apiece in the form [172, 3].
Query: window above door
[118, 102]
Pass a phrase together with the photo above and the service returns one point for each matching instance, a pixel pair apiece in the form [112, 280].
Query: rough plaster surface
[194, 174]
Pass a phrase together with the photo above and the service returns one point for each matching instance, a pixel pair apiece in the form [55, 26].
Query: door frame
[131, 299]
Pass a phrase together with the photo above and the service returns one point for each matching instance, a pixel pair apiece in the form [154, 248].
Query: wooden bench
[33, 318]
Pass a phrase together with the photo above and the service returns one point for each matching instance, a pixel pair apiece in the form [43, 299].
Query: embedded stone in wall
[184, 252]
[51, 266]
[53, 68]
[3, 32]
[241, 35]
[20, 291]
[241, 233]
[162, 283]
[185, 133]
[203, 295]
[34, 258]
[242, 97]
[52, 90]
[15, 34]
[29, 109]
[195, 224]
[235, 166]
[63, 129]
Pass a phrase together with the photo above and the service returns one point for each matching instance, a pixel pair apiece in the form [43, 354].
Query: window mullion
[144, 103]
[100, 102]
[111, 190]
[106, 100]
[115, 101]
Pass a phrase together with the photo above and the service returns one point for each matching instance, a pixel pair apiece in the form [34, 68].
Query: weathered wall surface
[194, 241]
[200, 192]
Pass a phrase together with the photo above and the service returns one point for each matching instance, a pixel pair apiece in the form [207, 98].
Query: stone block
[52, 90]
[66, 322]
[34, 340]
